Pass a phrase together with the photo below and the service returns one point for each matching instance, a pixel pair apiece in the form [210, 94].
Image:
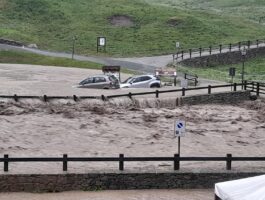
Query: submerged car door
[141, 82]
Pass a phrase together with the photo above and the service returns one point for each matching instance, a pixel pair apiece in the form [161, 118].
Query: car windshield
[127, 80]
[86, 81]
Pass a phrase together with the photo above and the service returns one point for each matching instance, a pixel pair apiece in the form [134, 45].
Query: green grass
[249, 9]
[52, 24]
[254, 70]
[16, 57]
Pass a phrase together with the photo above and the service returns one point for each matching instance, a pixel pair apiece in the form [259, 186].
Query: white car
[142, 81]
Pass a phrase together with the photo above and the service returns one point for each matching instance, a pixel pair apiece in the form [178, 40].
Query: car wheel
[155, 86]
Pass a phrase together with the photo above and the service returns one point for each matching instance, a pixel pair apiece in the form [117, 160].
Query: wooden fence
[121, 159]
[217, 49]
[258, 88]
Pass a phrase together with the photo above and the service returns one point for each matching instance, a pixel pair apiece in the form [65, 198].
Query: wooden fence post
[220, 48]
[228, 161]
[248, 44]
[200, 51]
[75, 97]
[103, 98]
[6, 163]
[190, 52]
[257, 89]
[45, 98]
[64, 162]
[182, 55]
[130, 95]
[245, 84]
[121, 162]
[157, 93]
[230, 47]
[15, 97]
[210, 50]
[176, 162]
[235, 86]
[239, 45]
[257, 43]
[209, 89]
[183, 92]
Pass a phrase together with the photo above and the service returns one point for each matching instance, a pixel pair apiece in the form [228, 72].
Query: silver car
[100, 82]
[143, 81]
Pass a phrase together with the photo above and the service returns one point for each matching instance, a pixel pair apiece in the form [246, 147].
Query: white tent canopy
[242, 189]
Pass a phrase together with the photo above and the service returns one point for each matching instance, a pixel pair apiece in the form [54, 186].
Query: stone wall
[223, 58]
[222, 98]
[114, 181]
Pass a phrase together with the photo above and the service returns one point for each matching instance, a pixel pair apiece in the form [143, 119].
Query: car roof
[136, 76]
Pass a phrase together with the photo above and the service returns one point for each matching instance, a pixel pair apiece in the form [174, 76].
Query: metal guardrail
[176, 159]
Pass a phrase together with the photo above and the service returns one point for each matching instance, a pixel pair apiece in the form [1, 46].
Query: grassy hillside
[248, 9]
[154, 28]
[254, 70]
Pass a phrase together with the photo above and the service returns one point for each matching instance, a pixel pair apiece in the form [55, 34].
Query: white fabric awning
[243, 189]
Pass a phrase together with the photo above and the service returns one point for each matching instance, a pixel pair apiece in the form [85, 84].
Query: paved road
[141, 67]
[141, 64]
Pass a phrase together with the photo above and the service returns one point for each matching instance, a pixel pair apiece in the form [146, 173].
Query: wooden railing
[246, 85]
[217, 49]
[121, 159]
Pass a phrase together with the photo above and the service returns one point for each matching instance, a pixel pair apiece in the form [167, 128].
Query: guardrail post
[257, 89]
[200, 51]
[230, 47]
[176, 162]
[209, 89]
[121, 162]
[220, 48]
[45, 98]
[257, 43]
[6, 163]
[228, 161]
[75, 97]
[210, 50]
[183, 92]
[15, 98]
[248, 44]
[64, 162]
[239, 45]
[157, 93]
[235, 86]
[190, 52]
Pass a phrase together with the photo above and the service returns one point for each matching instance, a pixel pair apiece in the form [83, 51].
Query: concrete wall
[223, 58]
[114, 181]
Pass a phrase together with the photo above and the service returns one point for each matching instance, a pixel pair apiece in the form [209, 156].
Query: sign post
[179, 131]
[101, 42]
[232, 73]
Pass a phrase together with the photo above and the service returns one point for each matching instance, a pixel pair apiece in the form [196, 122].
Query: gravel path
[115, 195]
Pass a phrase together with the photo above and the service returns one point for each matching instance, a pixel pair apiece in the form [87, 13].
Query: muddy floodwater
[85, 129]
